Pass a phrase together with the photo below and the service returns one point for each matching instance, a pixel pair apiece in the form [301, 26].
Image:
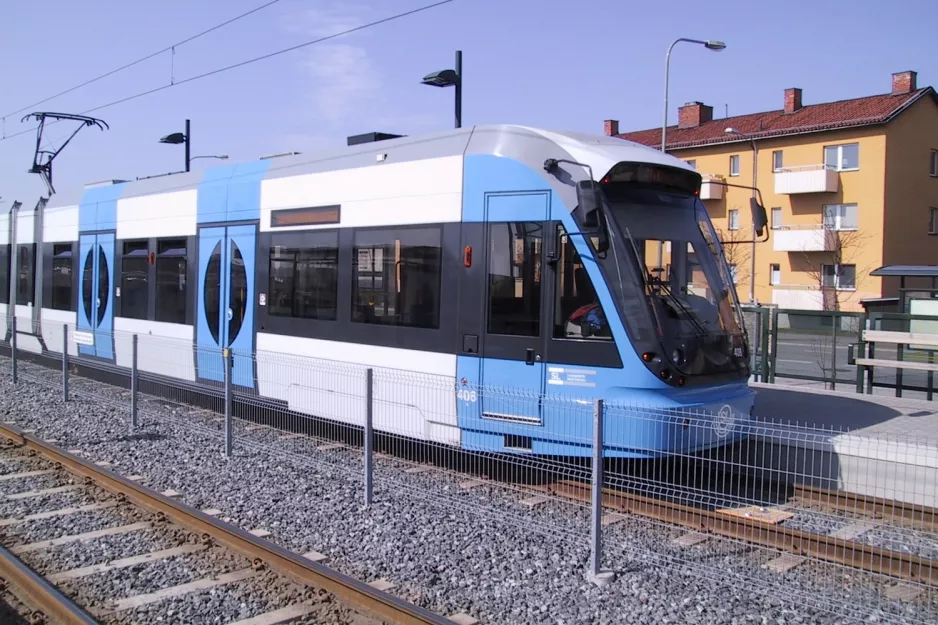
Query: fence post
[764, 343]
[369, 436]
[861, 352]
[134, 375]
[13, 345]
[228, 402]
[65, 362]
[773, 344]
[836, 320]
[598, 576]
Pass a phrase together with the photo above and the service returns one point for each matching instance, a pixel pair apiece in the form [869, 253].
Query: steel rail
[819, 546]
[370, 600]
[915, 515]
[39, 593]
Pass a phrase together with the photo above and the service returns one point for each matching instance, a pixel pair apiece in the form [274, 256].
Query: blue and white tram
[493, 257]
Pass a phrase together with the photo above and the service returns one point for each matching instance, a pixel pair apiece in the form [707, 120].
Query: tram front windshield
[666, 255]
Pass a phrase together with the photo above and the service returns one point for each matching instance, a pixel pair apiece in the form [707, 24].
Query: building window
[171, 287]
[515, 278]
[844, 157]
[692, 163]
[934, 163]
[734, 165]
[396, 277]
[733, 219]
[135, 278]
[577, 311]
[775, 274]
[776, 218]
[933, 220]
[304, 278]
[25, 282]
[839, 276]
[777, 160]
[62, 282]
[840, 216]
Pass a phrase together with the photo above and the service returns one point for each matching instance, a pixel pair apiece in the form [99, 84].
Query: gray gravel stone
[104, 549]
[448, 549]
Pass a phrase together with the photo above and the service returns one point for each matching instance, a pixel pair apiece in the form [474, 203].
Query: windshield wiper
[701, 330]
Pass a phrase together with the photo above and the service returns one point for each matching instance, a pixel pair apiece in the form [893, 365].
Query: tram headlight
[677, 357]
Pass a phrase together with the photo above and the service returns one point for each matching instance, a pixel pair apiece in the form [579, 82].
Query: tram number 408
[466, 395]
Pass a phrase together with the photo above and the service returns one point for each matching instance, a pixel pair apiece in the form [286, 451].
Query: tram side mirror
[759, 217]
[589, 212]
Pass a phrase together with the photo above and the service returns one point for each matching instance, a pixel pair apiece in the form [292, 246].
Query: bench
[918, 339]
[898, 338]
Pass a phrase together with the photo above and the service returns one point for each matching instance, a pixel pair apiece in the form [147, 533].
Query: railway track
[755, 526]
[312, 592]
[899, 512]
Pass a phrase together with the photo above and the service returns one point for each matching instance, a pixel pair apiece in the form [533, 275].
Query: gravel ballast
[477, 551]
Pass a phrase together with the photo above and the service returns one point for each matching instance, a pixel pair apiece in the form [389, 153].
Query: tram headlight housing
[677, 356]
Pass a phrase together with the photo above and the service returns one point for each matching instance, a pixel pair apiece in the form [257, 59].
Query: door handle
[530, 356]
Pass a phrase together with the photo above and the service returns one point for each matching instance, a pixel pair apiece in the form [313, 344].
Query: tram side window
[26, 264]
[304, 278]
[396, 277]
[135, 278]
[171, 268]
[62, 282]
[515, 278]
[577, 311]
[4, 274]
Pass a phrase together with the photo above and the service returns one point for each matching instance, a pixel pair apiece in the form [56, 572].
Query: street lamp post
[710, 45]
[449, 78]
[179, 137]
[755, 171]
[186, 138]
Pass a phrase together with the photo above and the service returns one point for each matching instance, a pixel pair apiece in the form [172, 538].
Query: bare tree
[844, 245]
[736, 247]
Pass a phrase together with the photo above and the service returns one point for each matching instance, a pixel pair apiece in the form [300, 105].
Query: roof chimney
[792, 100]
[611, 127]
[693, 114]
[904, 82]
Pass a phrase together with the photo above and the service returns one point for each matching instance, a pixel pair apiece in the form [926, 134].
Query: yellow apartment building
[848, 186]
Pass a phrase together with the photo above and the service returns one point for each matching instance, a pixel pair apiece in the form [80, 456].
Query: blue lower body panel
[638, 423]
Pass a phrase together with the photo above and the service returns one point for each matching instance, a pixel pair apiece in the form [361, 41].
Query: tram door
[226, 302]
[514, 338]
[96, 309]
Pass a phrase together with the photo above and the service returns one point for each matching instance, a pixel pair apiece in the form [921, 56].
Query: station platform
[867, 444]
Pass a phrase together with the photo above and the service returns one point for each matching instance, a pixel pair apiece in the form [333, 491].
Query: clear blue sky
[549, 63]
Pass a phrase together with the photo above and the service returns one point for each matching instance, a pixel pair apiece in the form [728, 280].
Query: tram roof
[599, 150]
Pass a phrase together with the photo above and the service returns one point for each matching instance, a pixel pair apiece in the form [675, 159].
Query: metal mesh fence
[851, 512]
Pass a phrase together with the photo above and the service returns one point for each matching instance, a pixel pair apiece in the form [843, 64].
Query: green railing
[816, 346]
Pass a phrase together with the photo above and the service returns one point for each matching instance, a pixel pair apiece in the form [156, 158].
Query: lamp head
[176, 137]
[442, 78]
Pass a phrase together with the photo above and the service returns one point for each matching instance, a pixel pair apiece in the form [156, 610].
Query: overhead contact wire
[144, 58]
[250, 61]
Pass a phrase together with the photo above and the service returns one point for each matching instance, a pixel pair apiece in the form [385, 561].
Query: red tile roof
[876, 109]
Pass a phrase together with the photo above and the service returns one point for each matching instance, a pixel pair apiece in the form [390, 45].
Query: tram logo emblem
[724, 421]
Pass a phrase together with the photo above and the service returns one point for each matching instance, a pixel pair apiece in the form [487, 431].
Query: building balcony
[711, 188]
[804, 239]
[798, 296]
[806, 179]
